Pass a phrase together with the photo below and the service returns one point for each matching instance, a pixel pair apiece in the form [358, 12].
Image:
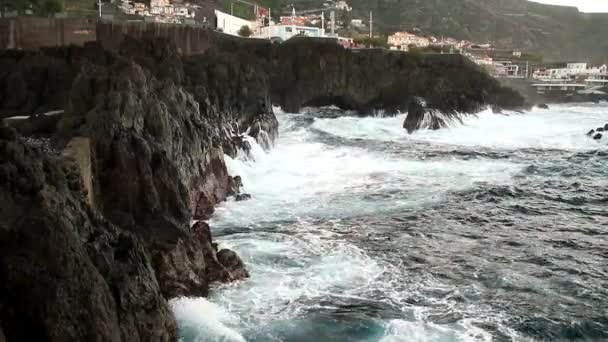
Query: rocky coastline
[99, 199]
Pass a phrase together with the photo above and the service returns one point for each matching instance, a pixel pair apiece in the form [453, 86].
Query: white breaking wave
[202, 321]
[561, 127]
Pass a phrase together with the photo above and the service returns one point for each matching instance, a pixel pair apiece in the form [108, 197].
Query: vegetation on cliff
[556, 32]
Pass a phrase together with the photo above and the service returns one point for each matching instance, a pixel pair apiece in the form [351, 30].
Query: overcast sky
[583, 5]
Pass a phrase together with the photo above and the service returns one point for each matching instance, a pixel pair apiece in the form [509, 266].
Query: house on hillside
[282, 33]
[294, 20]
[230, 24]
[404, 40]
[357, 23]
[343, 6]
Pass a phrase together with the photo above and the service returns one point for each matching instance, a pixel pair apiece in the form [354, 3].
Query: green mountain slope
[556, 32]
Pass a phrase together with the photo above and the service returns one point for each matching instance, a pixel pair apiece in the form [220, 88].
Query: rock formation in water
[317, 73]
[596, 134]
[95, 226]
[308, 72]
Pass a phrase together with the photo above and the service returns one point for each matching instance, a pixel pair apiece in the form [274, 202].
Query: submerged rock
[543, 106]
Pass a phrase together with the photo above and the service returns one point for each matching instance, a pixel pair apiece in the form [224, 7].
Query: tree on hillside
[41, 7]
[50, 7]
[245, 31]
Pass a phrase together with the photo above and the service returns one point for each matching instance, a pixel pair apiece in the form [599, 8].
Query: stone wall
[32, 33]
[189, 40]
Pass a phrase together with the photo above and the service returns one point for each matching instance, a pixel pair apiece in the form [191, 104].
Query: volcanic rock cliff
[96, 206]
[98, 201]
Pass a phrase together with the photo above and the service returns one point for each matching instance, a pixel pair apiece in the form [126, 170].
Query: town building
[231, 25]
[286, 32]
[343, 6]
[405, 40]
[571, 71]
[294, 20]
[357, 23]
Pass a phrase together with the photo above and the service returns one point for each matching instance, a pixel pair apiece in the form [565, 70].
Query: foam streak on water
[490, 230]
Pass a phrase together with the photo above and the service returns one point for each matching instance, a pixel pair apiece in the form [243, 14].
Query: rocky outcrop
[421, 117]
[34, 82]
[118, 224]
[66, 273]
[596, 134]
[316, 73]
[159, 157]
[188, 269]
[313, 73]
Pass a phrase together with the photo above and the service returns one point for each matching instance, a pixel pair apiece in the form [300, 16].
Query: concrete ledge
[77, 158]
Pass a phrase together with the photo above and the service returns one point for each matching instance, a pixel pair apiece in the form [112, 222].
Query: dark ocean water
[496, 230]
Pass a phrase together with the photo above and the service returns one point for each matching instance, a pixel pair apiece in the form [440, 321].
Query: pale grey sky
[583, 5]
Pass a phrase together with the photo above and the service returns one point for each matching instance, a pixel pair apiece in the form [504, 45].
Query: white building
[343, 6]
[357, 22]
[571, 71]
[404, 40]
[230, 24]
[285, 32]
[184, 11]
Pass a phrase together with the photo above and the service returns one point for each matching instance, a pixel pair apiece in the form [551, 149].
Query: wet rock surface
[316, 73]
[66, 273]
[192, 264]
[71, 271]
[598, 133]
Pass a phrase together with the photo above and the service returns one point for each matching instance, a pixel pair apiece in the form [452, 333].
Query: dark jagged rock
[235, 185]
[242, 197]
[606, 127]
[420, 117]
[34, 82]
[159, 158]
[308, 72]
[189, 268]
[590, 133]
[599, 129]
[598, 136]
[415, 115]
[232, 263]
[543, 106]
[156, 162]
[66, 273]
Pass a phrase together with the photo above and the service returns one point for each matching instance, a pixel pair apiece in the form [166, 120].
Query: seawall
[34, 33]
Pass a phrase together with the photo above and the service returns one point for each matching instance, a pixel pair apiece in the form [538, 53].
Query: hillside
[556, 32]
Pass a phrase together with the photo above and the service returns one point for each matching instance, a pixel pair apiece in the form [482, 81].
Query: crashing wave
[419, 117]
